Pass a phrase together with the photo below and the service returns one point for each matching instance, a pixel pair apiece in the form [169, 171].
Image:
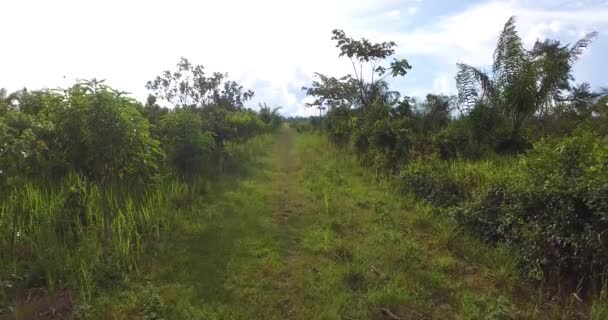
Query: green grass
[220, 260]
[371, 249]
[301, 231]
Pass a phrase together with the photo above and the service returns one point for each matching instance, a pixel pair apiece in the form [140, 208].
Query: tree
[582, 100]
[522, 82]
[246, 124]
[370, 73]
[437, 110]
[28, 137]
[154, 113]
[189, 86]
[187, 145]
[371, 56]
[270, 116]
[3, 102]
[333, 92]
[105, 138]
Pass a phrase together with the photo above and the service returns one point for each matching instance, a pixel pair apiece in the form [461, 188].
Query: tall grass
[51, 231]
[49, 237]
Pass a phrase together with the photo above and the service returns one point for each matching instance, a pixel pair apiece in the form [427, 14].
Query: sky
[274, 47]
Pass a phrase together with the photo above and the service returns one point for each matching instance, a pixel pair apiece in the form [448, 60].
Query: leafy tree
[246, 124]
[154, 113]
[28, 136]
[3, 102]
[437, 110]
[583, 101]
[522, 82]
[189, 86]
[370, 56]
[105, 137]
[188, 146]
[370, 73]
[331, 92]
[232, 96]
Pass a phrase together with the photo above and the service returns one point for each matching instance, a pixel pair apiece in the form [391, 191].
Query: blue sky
[275, 46]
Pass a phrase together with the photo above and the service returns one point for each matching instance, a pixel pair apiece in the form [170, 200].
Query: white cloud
[444, 83]
[129, 42]
[471, 35]
[272, 42]
[394, 14]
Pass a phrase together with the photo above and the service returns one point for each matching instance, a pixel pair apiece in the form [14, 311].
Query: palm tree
[269, 115]
[522, 83]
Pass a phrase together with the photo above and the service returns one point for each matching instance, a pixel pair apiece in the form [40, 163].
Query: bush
[432, 182]
[552, 207]
[189, 147]
[455, 142]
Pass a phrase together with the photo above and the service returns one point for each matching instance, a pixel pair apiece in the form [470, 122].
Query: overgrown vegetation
[183, 207]
[517, 158]
[90, 178]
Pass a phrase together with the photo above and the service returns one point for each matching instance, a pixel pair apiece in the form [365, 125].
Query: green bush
[553, 207]
[455, 142]
[432, 181]
[189, 147]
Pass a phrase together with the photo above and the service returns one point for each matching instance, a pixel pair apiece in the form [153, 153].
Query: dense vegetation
[518, 157]
[193, 206]
[89, 177]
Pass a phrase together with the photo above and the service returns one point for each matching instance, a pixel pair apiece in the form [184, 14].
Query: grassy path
[308, 234]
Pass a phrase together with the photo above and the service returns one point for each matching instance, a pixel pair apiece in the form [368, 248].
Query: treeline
[88, 175]
[518, 157]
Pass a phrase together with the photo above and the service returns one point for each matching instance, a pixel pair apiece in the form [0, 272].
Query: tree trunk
[107, 221]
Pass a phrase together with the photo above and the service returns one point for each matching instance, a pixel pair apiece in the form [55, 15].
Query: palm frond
[275, 111]
[579, 47]
[509, 55]
[473, 84]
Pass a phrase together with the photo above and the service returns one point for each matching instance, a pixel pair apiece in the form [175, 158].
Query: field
[488, 204]
[305, 233]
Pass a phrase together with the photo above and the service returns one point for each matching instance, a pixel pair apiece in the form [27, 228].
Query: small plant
[499, 309]
[599, 309]
[155, 308]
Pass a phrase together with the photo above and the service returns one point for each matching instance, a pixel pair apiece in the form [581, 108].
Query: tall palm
[522, 82]
[268, 114]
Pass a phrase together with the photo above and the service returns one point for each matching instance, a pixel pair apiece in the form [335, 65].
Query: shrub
[553, 210]
[189, 147]
[454, 141]
[432, 182]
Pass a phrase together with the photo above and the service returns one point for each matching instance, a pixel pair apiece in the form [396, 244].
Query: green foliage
[188, 147]
[433, 182]
[352, 92]
[189, 86]
[599, 308]
[548, 205]
[552, 210]
[363, 52]
[28, 145]
[155, 307]
[84, 188]
[523, 82]
[104, 136]
[455, 141]
[246, 125]
[270, 117]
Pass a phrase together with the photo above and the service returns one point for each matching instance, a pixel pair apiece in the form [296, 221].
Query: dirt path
[286, 211]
